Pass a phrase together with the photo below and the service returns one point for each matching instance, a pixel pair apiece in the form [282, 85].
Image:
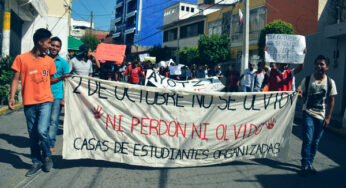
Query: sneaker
[312, 170]
[48, 164]
[303, 172]
[34, 169]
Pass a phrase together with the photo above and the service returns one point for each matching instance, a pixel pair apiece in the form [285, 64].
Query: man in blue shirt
[62, 68]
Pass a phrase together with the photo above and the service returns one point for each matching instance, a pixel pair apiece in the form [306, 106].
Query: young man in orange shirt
[36, 71]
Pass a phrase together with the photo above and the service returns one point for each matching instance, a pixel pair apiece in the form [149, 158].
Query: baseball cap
[83, 48]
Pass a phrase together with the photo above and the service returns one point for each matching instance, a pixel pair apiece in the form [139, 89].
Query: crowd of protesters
[42, 71]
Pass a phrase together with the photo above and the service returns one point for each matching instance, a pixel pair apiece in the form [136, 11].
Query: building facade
[79, 28]
[330, 41]
[29, 15]
[262, 12]
[136, 21]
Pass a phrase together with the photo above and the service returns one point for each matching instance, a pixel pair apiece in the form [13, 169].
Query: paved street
[15, 160]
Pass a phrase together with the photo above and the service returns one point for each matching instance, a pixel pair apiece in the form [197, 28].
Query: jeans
[54, 121]
[37, 119]
[246, 89]
[312, 132]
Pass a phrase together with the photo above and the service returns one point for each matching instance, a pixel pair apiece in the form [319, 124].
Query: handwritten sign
[285, 48]
[211, 84]
[156, 127]
[111, 52]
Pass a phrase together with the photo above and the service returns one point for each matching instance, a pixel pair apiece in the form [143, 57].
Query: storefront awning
[73, 43]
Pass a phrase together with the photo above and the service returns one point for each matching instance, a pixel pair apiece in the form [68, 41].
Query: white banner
[211, 84]
[156, 127]
[283, 48]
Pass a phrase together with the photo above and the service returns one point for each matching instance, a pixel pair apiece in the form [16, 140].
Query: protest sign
[156, 127]
[143, 56]
[211, 84]
[110, 52]
[281, 48]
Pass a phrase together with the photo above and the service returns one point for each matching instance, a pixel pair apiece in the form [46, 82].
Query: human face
[54, 48]
[321, 67]
[89, 52]
[283, 66]
[43, 46]
[251, 66]
[272, 65]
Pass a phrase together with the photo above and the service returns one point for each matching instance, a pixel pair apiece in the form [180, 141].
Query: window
[192, 30]
[187, 9]
[192, 9]
[215, 27]
[182, 8]
[209, 2]
[257, 19]
[170, 35]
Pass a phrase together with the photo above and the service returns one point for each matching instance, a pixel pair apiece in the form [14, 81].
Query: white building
[185, 22]
[79, 28]
[29, 15]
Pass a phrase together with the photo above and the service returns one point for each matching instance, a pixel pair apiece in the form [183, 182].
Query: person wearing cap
[249, 75]
[81, 64]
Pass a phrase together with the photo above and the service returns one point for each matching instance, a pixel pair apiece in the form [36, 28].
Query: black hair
[41, 35]
[56, 39]
[321, 57]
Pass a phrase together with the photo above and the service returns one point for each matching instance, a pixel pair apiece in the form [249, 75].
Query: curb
[6, 110]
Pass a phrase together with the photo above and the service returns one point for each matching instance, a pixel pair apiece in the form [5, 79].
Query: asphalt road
[15, 160]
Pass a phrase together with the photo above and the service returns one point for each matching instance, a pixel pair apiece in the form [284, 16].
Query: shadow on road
[7, 156]
[18, 141]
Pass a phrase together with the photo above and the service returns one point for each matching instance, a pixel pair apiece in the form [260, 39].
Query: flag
[240, 17]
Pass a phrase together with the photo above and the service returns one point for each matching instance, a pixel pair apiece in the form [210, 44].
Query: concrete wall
[57, 8]
[60, 30]
[302, 14]
[186, 42]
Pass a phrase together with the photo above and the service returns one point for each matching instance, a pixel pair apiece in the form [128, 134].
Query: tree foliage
[214, 49]
[189, 56]
[275, 27]
[91, 40]
[6, 75]
[161, 53]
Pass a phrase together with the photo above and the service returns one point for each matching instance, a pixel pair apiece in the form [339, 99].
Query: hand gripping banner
[157, 127]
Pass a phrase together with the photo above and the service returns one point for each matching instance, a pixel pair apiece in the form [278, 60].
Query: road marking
[24, 183]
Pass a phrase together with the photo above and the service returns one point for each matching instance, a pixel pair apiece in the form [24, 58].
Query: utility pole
[69, 17]
[245, 54]
[91, 22]
[6, 29]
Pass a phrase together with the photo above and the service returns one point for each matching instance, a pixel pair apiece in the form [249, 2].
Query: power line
[101, 4]
[79, 15]
[60, 18]
[82, 3]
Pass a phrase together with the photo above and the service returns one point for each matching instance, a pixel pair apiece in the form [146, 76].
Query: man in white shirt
[319, 93]
[249, 75]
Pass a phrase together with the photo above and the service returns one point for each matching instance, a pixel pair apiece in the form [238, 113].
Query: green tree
[275, 27]
[161, 53]
[91, 40]
[189, 56]
[214, 49]
[6, 75]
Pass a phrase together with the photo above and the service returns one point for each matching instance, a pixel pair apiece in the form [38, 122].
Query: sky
[103, 12]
